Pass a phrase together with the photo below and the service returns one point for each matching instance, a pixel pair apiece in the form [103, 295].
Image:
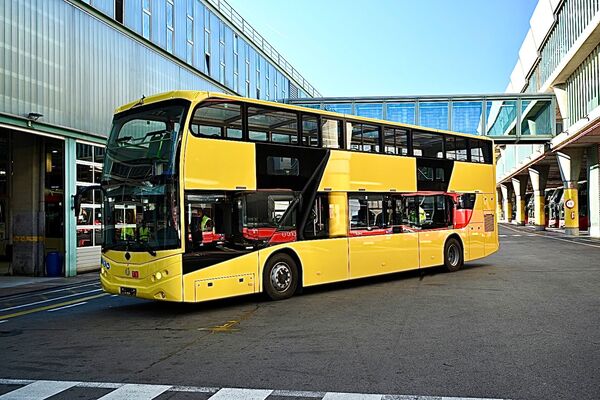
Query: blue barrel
[53, 264]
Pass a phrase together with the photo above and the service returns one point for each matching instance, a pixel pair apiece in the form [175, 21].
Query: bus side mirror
[80, 192]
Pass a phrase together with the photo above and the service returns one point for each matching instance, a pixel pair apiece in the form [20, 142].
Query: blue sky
[395, 47]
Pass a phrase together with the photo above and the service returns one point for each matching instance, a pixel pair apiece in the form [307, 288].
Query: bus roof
[195, 95]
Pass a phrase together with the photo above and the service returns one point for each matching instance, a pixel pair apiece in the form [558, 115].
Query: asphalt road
[521, 324]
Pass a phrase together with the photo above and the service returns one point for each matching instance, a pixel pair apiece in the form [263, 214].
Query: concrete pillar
[562, 101]
[70, 219]
[520, 186]
[499, 215]
[593, 178]
[539, 177]
[569, 162]
[27, 203]
[506, 203]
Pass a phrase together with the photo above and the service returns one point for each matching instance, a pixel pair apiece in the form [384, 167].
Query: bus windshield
[140, 179]
[143, 143]
[141, 217]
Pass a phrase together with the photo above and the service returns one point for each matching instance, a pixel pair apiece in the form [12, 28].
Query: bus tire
[453, 255]
[280, 277]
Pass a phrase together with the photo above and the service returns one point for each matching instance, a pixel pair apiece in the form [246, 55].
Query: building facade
[560, 179]
[66, 65]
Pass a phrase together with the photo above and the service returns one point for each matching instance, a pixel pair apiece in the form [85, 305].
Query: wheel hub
[281, 277]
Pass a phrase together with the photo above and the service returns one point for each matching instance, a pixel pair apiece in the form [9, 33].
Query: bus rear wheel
[453, 255]
[280, 277]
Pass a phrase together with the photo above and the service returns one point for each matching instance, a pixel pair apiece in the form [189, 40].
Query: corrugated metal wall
[74, 69]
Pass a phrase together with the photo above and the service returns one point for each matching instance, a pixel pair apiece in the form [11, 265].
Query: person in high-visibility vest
[144, 232]
[128, 233]
[200, 223]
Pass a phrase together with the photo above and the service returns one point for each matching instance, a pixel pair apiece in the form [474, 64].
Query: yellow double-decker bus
[208, 196]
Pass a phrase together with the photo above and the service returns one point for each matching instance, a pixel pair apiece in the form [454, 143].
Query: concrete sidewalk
[12, 285]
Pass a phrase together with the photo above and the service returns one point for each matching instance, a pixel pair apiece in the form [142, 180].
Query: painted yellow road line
[65, 303]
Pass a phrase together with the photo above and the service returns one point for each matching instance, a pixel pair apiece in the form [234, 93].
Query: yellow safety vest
[144, 233]
[203, 222]
[127, 232]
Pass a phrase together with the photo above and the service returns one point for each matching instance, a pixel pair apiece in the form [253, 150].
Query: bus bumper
[156, 283]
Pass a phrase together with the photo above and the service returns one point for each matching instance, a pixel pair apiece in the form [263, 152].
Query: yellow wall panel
[469, 177]
[351, 171]
[208, 164]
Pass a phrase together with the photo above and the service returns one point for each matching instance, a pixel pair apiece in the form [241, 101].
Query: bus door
[436, 213]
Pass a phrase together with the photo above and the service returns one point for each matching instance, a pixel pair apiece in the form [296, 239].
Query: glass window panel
[169, 15]
[310, 131]
[536, 116]
[481, 151]
[169, 40]
[366, 212]
[370, 110]
[213, 119]
[278, 124]
[85, 173]
[146, 25]
[331, 133]
[501, 117]
[189, 30]
[427, 144]
[234, 133]
[258, 136]
[401, 112]
[146, 5]
[434, 114]
[283, 166]
[339, 108]
[371, 138]
[456, 148]
[467, 116]
[395, 141]
[98, 154]
[84, 237]
[356, 138]
[189, 51]
[84, 152]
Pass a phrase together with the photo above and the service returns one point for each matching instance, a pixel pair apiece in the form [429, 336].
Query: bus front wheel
[453, 255]
[280, 277]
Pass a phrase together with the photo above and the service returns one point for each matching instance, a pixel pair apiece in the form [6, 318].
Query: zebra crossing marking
[44, 389]
[38, 390]
[138, 392]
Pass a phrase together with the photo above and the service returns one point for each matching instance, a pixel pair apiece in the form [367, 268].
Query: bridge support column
[520, 186]
[539, 177]
[569, 162]
[499, 215]
[506, 203]
[593, 177]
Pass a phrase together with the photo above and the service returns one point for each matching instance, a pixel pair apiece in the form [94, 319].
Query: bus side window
[217, 120]
[367, 212]
[317, 226]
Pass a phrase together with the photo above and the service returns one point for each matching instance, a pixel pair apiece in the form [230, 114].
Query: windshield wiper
[146, 247]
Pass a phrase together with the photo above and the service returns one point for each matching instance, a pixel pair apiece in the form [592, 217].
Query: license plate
[127, 291]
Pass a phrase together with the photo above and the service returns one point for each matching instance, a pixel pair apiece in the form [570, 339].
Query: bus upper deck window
[217, 120]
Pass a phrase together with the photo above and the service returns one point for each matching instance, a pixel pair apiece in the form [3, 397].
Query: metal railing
[238, 21]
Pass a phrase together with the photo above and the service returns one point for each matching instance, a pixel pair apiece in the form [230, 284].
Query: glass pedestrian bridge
[507, 118]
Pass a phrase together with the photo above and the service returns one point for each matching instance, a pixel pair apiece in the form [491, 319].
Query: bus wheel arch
[284, 261]
[454, 253]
